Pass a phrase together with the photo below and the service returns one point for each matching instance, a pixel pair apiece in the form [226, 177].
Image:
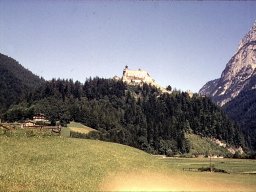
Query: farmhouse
[28, 123]
[36, 119]
[39, 117]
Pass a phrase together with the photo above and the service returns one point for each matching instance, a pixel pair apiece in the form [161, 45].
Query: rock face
[239, 71]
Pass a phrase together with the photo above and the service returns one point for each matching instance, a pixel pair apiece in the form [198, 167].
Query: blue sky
[182, 44]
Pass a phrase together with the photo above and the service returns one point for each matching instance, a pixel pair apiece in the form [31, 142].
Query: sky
[182, 44]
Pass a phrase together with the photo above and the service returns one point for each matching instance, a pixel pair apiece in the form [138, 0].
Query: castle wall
[138, 77]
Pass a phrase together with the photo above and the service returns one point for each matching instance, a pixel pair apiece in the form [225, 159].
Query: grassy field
[203, 145]
[79, 128]
[232, 166]
[52, 163]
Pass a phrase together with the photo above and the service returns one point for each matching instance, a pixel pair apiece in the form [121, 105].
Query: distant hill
[15, 82]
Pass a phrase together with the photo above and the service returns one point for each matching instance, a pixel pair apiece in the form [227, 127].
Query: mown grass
[53, 163]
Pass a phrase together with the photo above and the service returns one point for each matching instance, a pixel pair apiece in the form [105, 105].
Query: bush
[237, 155]
[213, 169]
[170, 153]
[93, 135]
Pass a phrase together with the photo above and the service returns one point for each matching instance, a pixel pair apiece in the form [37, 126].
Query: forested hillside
[242, 109]
[137, 116]
[15, 82]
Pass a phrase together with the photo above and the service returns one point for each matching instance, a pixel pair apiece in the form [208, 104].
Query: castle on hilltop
[136, 76]
[139, 77]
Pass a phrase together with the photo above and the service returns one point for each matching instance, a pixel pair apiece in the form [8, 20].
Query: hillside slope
[205, 146]
[15, 82]
[138, 116]
[62, 164]
[242, 109]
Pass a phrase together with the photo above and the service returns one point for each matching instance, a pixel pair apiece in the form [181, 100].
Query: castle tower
[125, 69]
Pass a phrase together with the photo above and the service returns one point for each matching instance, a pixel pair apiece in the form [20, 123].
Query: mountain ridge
[237, 73]
[235, 90]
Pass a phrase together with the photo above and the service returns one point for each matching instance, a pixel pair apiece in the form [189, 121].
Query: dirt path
[161, 182]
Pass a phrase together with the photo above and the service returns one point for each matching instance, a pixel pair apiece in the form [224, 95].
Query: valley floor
[66, 164]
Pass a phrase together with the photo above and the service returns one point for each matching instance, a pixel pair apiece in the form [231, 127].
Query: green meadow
[79, 128]
[75, 127]
[56, 163]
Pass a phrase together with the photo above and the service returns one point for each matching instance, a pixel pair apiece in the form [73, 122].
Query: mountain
[235, 90]
[15, 82]
[238, 74]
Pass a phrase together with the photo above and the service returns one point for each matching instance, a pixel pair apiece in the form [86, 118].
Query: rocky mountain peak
[237, 74]
[250, 36]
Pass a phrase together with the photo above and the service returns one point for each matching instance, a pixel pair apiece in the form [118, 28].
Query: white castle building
[138, 77]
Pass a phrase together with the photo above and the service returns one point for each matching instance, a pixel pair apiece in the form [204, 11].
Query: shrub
[213, 169]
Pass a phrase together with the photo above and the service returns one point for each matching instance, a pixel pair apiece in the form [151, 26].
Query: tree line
[15, 82]
[138, 116]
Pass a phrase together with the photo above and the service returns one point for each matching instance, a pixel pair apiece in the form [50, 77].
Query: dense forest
[242, 109]
[138, 116]
[15, 82]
